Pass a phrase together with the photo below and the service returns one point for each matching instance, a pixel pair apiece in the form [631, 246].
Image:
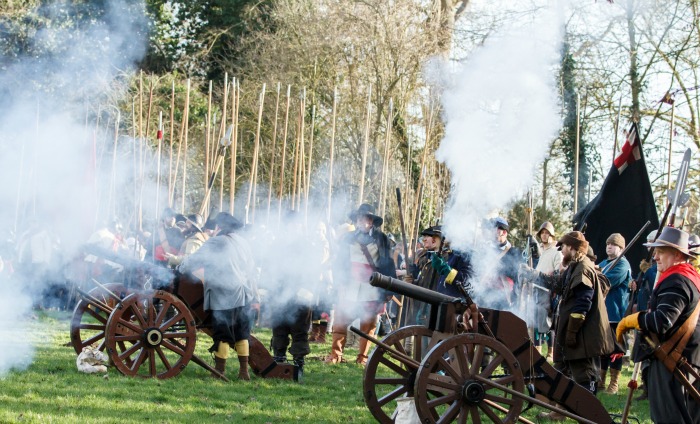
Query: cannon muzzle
[410, 290]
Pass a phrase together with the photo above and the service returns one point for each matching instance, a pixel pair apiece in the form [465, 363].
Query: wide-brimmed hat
[366, 209]
[673, 238]
[546, 226]
[435, 231]
[196, 221]
[227, 222]
[576, 240]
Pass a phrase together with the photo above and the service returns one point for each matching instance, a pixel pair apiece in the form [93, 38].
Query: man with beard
[616, 303]
[228, 273]
[673, 301]
[362, 252]
[582, 326]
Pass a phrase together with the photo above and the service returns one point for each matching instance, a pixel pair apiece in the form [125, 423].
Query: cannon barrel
[410, 290]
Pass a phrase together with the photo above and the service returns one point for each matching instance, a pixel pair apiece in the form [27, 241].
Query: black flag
[625, 203]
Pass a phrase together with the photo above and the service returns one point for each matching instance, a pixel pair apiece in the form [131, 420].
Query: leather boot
[220, 366]
[644, 394]
[337, 346]
[314, 334]
[298, 369]
[614, 377]
[363, 351]
[322, 329]
[552, 415]
[243, 370]
[603, 377]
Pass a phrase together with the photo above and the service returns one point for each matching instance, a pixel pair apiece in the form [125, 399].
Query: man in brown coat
[582, 327]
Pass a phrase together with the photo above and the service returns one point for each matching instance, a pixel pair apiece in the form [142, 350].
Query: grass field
[51, 390]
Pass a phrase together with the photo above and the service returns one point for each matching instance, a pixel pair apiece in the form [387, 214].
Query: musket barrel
[410, 290]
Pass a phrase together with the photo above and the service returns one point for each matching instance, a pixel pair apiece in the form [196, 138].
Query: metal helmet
[652, 235]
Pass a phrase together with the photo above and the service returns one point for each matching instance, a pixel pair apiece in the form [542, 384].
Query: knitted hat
[576, 240]
[616, 239]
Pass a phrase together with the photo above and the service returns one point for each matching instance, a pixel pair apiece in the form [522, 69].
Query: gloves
[527, 273]
[439, 265]
[627, 323]
[575, 323]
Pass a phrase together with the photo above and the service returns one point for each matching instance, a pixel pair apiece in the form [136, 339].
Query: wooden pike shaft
[170, 156]
[385, 162]
[365, 146]
[256, 148]
[670, 147]
[296, 157]
[159, 138]
[236, 94]
[576, 150]
[284, 156]
[112, 184]
[332, 150]
[272, 154]
[186, 126]
[308, 169]
[224, 113]
[207, 141]
[421, 178]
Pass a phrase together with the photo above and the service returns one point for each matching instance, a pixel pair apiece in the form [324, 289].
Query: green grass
[51, 390]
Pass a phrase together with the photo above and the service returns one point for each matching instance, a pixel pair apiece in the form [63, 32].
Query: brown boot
[243, 370]
[552, 415]
[614, 378]
[314, 334]
[220, 366]
[363, 351]
[603, 377]
[322, 329]
[337, 346]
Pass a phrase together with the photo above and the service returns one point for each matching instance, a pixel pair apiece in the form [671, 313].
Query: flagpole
[617, 128]
[576, 151]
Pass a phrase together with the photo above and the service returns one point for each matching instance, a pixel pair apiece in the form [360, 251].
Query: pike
[284, 156]
[332, 148]
[206, 136]
[222, 132]
[365, 146]
[235, 104]
[223, 144]
[186, 127]
[170, 156]
[159, 138]
[407, 259]
[385, 162]
[274, 156]
[308, 169]
[256, 149]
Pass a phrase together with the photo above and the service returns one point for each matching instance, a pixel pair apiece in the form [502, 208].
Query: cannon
[466, 365]
[148, 325]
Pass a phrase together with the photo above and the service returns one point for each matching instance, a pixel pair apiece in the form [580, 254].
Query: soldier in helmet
[550, 261]
[501, 286]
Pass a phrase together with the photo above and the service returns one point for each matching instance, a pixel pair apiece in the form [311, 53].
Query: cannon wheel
[151, 334]
[453, 385]
[386, 378]
[87, 326]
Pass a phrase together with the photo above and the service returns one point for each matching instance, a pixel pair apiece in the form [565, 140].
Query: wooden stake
[365, 146]
[284, 156]
[256, 148]
[332, 149]
[272, 153]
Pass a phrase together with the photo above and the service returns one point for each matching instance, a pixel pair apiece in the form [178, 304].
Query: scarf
[685, 269]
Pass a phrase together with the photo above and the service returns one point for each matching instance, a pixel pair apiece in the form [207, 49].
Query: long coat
[595, 337]
[618, 296]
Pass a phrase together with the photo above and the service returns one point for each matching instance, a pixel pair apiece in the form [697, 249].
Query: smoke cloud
[500, 113]
[50, 81]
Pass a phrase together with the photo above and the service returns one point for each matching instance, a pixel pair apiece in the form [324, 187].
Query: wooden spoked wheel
[87, 327]
[458, 381]
[387, 378]
[151, 334]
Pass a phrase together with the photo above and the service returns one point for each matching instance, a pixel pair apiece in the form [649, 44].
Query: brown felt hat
[673, 238]
[576, 240]
[616, 239]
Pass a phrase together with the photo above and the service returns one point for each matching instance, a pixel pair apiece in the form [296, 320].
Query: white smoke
[48, 163]
[501, 114]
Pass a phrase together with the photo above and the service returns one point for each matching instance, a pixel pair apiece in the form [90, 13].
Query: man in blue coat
[616, 302]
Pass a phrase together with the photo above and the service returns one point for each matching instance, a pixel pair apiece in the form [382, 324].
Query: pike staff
[308, 171]
[223, 144]
[365, 145]
[170, 156]
[159, 138]
[186, 127]
[385, 162]
[253, 170]
[284, 156]
[332, 149]
[206, 137]
[273, 154]
[235, 104]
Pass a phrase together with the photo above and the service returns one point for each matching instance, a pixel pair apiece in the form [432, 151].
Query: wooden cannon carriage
[148, 324]
[467, 365]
